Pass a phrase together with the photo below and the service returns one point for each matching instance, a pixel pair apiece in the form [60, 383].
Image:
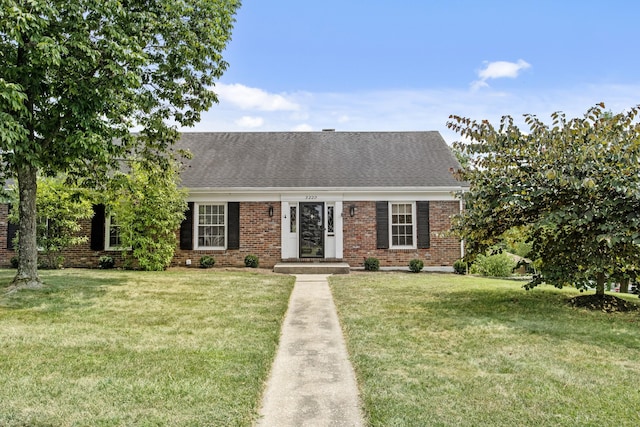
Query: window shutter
[233, 225]
[423, 225]
[97, 228]
[382, 225]
[186, 228]
[12, 230]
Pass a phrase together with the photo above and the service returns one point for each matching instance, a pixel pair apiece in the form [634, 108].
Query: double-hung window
[112, 238]
[403, 225]
[211, 226]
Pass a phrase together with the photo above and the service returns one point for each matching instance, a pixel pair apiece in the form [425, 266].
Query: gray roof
[317, 159]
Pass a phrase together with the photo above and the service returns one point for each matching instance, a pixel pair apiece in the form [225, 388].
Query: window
[211, 226]
[293, 218]
[330, 222]
[113, 240]
[402, 225]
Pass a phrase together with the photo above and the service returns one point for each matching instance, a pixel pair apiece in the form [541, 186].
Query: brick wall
[260, 235]
[360, 237]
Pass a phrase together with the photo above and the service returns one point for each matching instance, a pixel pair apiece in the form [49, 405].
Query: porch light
[270, 211]
[352, 210]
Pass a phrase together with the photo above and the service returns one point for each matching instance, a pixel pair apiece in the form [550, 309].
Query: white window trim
[414, 228]
[107, 240]
[196, 226]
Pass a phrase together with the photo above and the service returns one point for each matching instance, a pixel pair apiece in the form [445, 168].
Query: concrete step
[312, 268]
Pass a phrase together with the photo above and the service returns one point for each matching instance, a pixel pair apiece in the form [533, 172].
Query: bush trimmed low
[371, 264]
[251, 261]
[460, 267]
[416, 265]
[207, 261]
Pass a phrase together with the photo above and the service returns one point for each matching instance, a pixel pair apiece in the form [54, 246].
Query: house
[305, 196]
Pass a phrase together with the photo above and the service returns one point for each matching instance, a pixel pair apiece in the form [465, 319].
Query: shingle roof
[317, 159]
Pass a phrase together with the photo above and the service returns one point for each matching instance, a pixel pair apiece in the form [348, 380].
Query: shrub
[106, 262]
[207, 261]
[371, 264]
[460, 267]
[251, 261]
[416, 265]
[51, 262]
[499, 265]
[14, 261]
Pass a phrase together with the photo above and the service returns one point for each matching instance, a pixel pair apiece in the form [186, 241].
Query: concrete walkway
[312, 382]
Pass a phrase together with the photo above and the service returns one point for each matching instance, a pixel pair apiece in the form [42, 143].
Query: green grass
[449, 350]
[116, 348]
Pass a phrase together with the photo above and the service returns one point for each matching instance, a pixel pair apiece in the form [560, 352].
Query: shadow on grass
[62, 290]
[542, 312]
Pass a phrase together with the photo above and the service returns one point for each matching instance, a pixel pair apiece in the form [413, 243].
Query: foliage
[416, 265]
[106, 262]
[371, 264]
[460, 267]
[251, 261]
[60, 207]
[149, 207]
[77, 75]
[207, 261]
[575, 184]
[497, 265]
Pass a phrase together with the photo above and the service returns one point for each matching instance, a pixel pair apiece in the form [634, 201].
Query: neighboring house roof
[317, 160]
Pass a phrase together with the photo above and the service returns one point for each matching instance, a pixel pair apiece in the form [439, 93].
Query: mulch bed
[606, 303]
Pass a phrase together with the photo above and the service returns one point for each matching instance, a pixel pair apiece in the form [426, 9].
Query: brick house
[303, 196]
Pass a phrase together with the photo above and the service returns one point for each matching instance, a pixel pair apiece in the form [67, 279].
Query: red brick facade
[260, 234]
[360, 237]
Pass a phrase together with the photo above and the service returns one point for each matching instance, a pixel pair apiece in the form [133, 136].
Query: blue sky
[374, 65]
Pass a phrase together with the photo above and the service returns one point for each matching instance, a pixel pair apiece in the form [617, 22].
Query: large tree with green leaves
[76, 76]
[575, 184]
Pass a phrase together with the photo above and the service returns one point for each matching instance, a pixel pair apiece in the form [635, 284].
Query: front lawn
[116, 348]
[449, 350]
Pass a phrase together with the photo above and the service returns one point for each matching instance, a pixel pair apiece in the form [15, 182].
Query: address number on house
[311, 197]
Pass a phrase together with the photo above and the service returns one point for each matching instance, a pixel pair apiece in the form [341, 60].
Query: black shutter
[12, 230]
[423, 225]
[97, 228]
[382, 225]
[233, 225]
[186, 229]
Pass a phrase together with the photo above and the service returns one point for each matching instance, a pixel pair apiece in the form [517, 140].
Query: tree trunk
[27, 276]
[624, 285]
[600, 279]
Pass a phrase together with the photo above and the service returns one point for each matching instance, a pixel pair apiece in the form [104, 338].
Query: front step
[312, 268]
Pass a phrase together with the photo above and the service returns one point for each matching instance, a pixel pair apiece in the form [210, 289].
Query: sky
[407, 65]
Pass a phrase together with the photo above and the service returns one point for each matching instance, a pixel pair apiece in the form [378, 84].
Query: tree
[77, 75]
[148, 207]
[575, 184]
[60, 208]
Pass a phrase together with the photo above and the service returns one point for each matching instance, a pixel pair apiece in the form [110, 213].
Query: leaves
[149, 208]
[78, 75]
[575, 184]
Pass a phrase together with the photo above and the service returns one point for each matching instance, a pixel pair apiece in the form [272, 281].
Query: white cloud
[499, 70]
[249, 98]
[420, 109]
[302, 128]
[250, 122]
